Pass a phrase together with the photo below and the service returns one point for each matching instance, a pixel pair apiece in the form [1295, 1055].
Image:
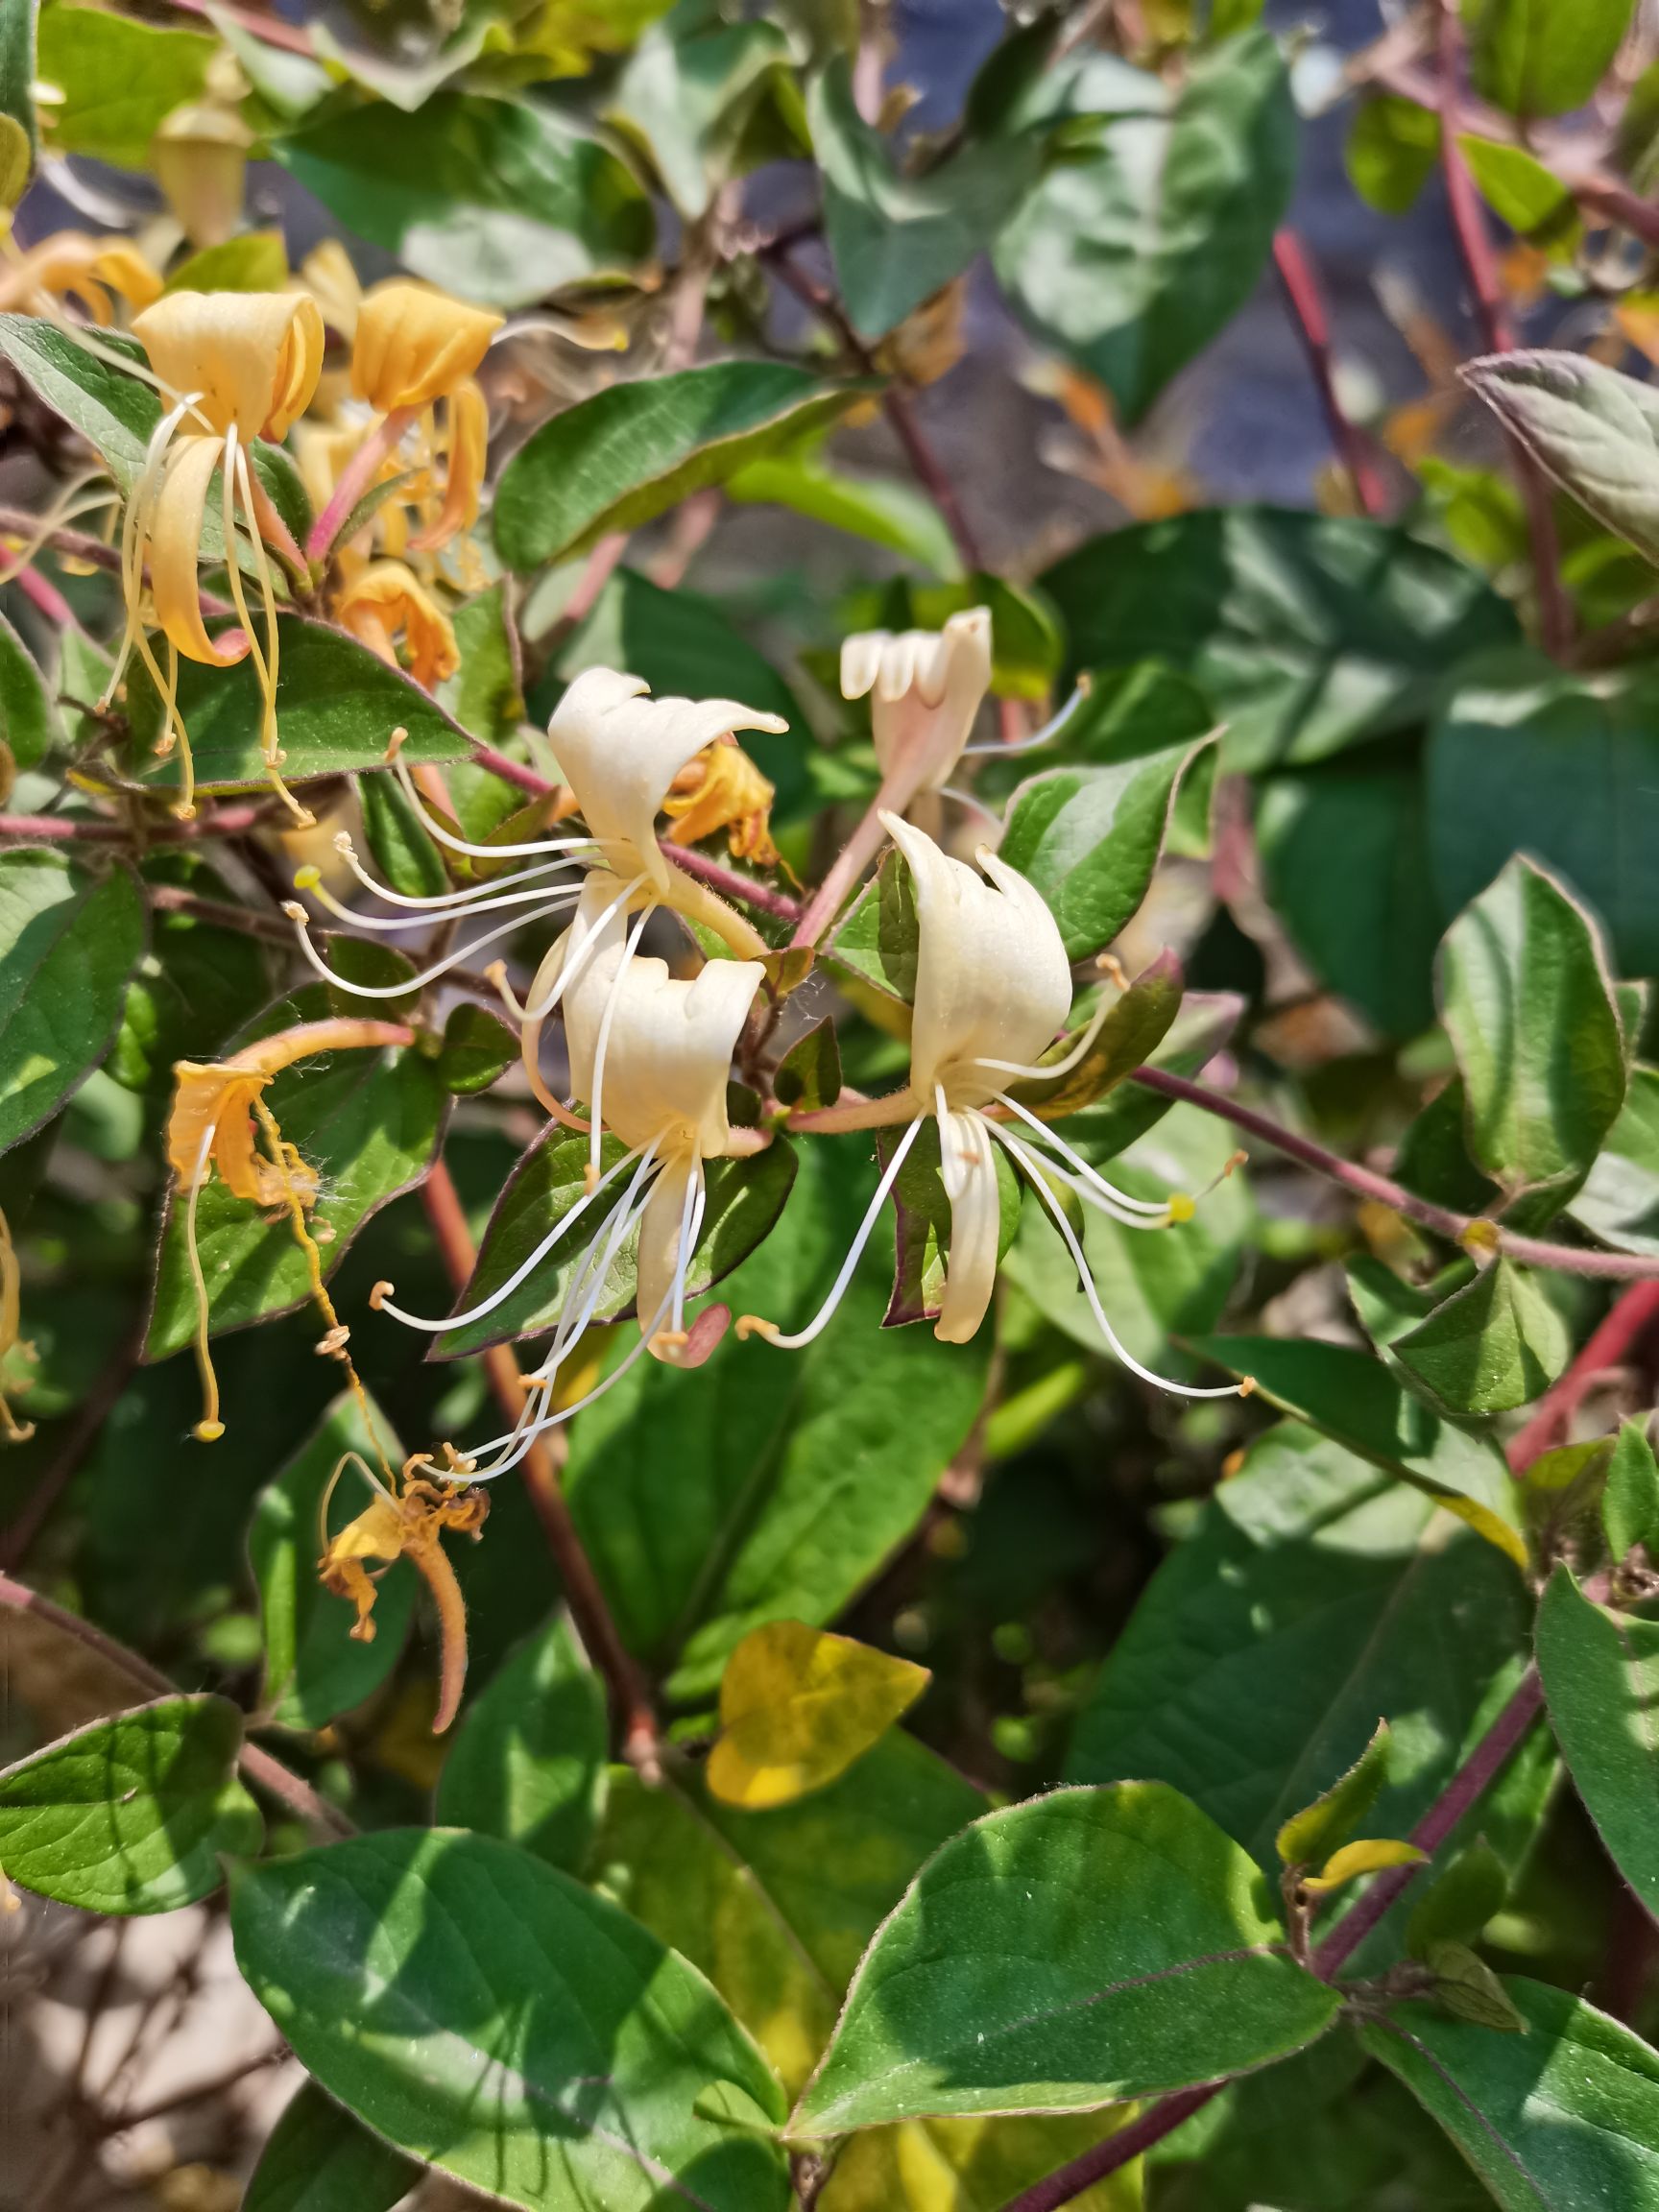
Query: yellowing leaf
[1369, 1857]
[1318, 1828]
[796, 1707]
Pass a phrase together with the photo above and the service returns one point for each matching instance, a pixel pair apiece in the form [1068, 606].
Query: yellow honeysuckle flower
[410, 1524]
[11, 1429]
[212, 1126]
[992, 988]
[387, 601]
[723, 789]
[651, 1056]
[199, 157]
[236, 366]
[70, 265]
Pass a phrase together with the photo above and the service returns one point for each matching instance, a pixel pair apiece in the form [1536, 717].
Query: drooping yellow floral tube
[233, 366]
[388, 601]
[212, 1125]
[70, 265]
[11, 1429]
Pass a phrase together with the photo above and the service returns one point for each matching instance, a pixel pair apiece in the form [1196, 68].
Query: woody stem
[630, 1692]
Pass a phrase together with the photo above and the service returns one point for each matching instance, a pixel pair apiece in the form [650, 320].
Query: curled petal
[388, 599]
[467, 440]
[176, 549]
[928, 686]
[661, 1229]
[253, 358]
[969, 1172]
[415, 345]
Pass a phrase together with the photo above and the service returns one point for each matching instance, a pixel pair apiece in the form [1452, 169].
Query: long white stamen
[575, 958]
[519, 1274]
[1039, 1070]
[549, 898]
[1051, 729]
[613, 999]
[856, 1251]
[134, 533]
[1086, 1280]
[1081, 1167]
[569, 1412]
[302, 922]
[588, 1283]
[432, 903]
[691, 1229]
[400, 769]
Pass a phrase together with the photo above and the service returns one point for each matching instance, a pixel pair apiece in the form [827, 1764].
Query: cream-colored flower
[233, 366]
[992, 987]
[925, 688]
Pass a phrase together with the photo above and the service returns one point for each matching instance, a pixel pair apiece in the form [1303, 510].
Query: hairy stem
[1367, 1183]
[257, 1765]
[635, 1720]
[358, 474]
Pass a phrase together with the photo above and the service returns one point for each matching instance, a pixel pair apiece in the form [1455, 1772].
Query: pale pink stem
[359, 474]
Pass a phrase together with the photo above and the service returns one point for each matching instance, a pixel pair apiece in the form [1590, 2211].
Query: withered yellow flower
[386, 601]
[723, 789]
[236, 366]
[212, 1124]
[410, 1525]
[13, 1430]
[70, 265]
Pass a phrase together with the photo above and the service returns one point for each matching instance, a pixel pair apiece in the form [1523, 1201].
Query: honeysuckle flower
[211, 1126]
[414, 349]
[992, 988]
[925, 688]
[723, 789]
[409, 1522]
[11, 1429]
[233, 366]
[651, 1057]
[70, 265]
[199, 157]
[386, 601]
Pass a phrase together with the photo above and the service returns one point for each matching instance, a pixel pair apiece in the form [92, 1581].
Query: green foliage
[1631, 1500]
[1495, 1345]
[1542, 57]
[131, 1815]
[318, 2159]
[1392, 150]
[70, 935]
[1601, 1672]
[118, 79]
[1309, 1835]
[425, 1939]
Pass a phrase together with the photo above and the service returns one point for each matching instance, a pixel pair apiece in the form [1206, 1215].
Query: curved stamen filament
[571, 960]
[1051, 729]
[1086, 1280]
[237, 487]
[1041, 1071]
[1158, 1208]
[588, 1285]
[435, 902]
[748, 1322]
[209, 1429]
[547, 898]
[519, 1274]
[542, 845]
[302, 922]
[691, 1229]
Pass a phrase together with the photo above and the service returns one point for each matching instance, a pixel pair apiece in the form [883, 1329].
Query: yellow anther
[208, 1432]
[754, 1325]
[306, 878]
[1181, 1206]
[1247, 1389]
[382, 1291]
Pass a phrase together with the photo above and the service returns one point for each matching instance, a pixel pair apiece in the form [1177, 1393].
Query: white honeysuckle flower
[924, 688]
[992, 988]
[619, 750]
[650, 1056]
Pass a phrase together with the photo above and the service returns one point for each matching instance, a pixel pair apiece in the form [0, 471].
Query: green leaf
[192, 989]
[1353, 1400]
[18, 72]
[1630, 1499]
[880, 509]
[1601, 1672]
[337, 706]
[1526, 997]
[1620, 1201]
[1590, 427]
[495, 199]
[1308, 633]
[114, 411]
[315, 1670]
[1142, 241]
[367, 1121]
[687, 646]
[809, 1073]
[477, 1047]
[628, 453]
[922, 1224]
[1467, 1987]
[487, 2014]
[1455, 1907]
[1392, 151]
[70, 935]
[28, 724]
[1497, 1343]
[897, 239]
[1153, 1284]
[1527, 757]
[1312, 1835]
[1307, 1604]
[485, 695]
[1345, 850]
[1542, 57]
[1131, 1033]
[1089, 836]
[744, 1199]
[770, 1485]
[690, 92]
[1177, 1974]
[257, 261]
[878, 938]
[131, 1815]
[398, 841]
[318, 2159]
[119, 78]
[528, 1760]
[1565, 2115]
[1524, 194]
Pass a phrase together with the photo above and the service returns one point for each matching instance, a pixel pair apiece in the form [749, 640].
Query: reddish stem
[358, 474]
[44, 594]
[1469, 225]
[629, 1694]
[1609, 1345]
[1307, 311]
[63, 829]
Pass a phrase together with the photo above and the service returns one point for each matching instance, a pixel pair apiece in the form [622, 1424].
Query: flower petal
[969, 1170]
[253, 357]
[414, 344]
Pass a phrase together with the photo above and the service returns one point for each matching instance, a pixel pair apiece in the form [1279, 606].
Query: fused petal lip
[253, 358]
[415, 345]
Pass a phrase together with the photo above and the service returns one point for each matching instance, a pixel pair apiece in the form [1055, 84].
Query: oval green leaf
[70, 936]
[319, 2158]
[1601, 1672]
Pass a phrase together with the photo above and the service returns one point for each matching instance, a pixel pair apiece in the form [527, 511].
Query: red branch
[1307, 310]
[1608, 1346]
